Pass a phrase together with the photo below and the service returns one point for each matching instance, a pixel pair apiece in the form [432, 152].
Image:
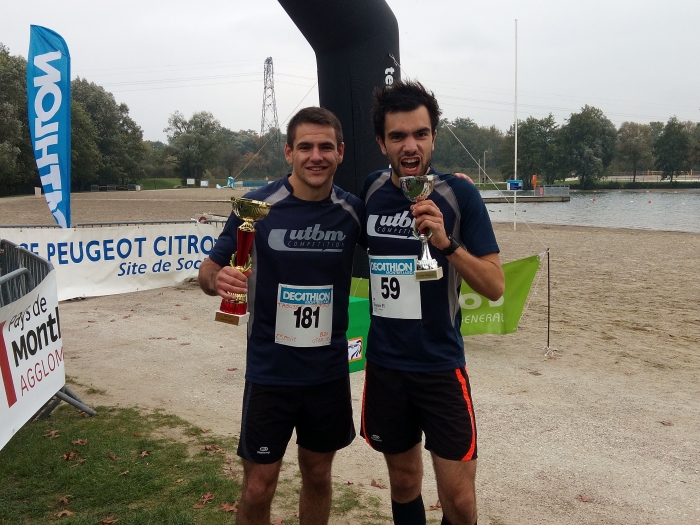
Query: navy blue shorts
[398, 407]
[321, 414]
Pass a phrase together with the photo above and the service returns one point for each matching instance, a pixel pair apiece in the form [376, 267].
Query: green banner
[481, 316]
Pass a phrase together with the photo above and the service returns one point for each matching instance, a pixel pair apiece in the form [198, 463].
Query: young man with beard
[295, 379]
[416, 381]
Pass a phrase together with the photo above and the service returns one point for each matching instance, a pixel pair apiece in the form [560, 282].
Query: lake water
[647, 210]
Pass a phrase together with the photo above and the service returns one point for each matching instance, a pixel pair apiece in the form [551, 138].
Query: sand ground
[606, 431]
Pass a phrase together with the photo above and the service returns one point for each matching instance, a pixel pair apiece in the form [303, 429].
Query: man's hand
[222, 280]
[464, 176]
[230, 281]
[428, 216]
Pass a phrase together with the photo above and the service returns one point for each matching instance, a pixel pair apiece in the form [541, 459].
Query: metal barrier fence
[20, 271]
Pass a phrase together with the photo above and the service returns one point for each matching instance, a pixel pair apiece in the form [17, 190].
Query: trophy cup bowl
[416, 189]
[235, 309]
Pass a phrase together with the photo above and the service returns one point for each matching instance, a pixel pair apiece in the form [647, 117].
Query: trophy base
[231, 318]
[429, 275]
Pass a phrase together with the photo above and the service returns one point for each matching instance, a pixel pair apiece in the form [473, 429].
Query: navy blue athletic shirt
[300, 243]
[428, 341]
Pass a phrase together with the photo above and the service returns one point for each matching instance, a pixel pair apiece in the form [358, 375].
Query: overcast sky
[635, 60]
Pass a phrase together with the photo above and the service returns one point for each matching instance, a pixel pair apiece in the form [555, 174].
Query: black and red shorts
[397, 407]
[321, 415]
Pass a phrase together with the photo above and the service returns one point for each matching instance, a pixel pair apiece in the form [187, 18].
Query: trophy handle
[247, 266]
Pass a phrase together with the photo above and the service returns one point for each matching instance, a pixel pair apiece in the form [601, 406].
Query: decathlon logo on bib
[393, 266]
[312, 296]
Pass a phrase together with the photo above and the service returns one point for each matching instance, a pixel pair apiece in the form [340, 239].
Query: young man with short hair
[416, 381]
[303, 249]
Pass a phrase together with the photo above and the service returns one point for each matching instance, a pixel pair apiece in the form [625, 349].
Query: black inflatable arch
[353, 41]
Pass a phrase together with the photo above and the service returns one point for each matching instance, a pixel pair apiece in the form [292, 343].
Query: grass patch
[137, 468]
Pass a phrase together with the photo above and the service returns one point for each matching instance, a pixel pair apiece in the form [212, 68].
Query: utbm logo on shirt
[399, 225]
[312, 239]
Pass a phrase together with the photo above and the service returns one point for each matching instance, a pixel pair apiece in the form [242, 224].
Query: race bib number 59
[304, 315]
[395, 291]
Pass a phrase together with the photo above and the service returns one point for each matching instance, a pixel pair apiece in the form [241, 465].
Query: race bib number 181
[395, 291]
[304, 315]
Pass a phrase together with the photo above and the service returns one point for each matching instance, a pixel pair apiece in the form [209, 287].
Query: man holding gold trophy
[283, 265]
[415, 380]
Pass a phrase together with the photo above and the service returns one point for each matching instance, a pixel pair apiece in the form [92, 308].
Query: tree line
[108, 146]
[586, 146]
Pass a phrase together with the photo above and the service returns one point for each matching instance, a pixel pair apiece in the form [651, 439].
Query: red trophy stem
[245, 245]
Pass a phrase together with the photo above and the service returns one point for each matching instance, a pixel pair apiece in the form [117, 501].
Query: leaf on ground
[375, 484]
[126, 316]
[198, 506]
[137, 435]
[79, 462]
[179, 480]
[349, 482]
[232, 369]
[185, 344]
[70, 455]
[113, 457]
[144, 454]
[212, 447]
[53, 434]
[206, 498]
[80, 442]
[171, 338]
[109, 520]
[666, 423]
[436, 506]
[64, 513]
[278, 522]
[227, 507]
[585, 498]
[125, 473]
[63, 500]
[177, 304]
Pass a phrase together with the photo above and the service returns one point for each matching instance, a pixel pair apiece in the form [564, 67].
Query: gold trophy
[235, 309]
[417, 189]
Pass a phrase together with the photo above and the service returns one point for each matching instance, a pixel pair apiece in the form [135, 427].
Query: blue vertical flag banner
[48, 104]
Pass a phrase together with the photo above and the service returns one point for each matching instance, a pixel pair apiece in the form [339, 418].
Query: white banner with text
[31, 356]
[111, 260]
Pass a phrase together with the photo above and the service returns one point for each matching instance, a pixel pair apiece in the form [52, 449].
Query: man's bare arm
[483, 274]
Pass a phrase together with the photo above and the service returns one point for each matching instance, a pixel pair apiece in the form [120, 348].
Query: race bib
[395, 291]
[304, 315]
